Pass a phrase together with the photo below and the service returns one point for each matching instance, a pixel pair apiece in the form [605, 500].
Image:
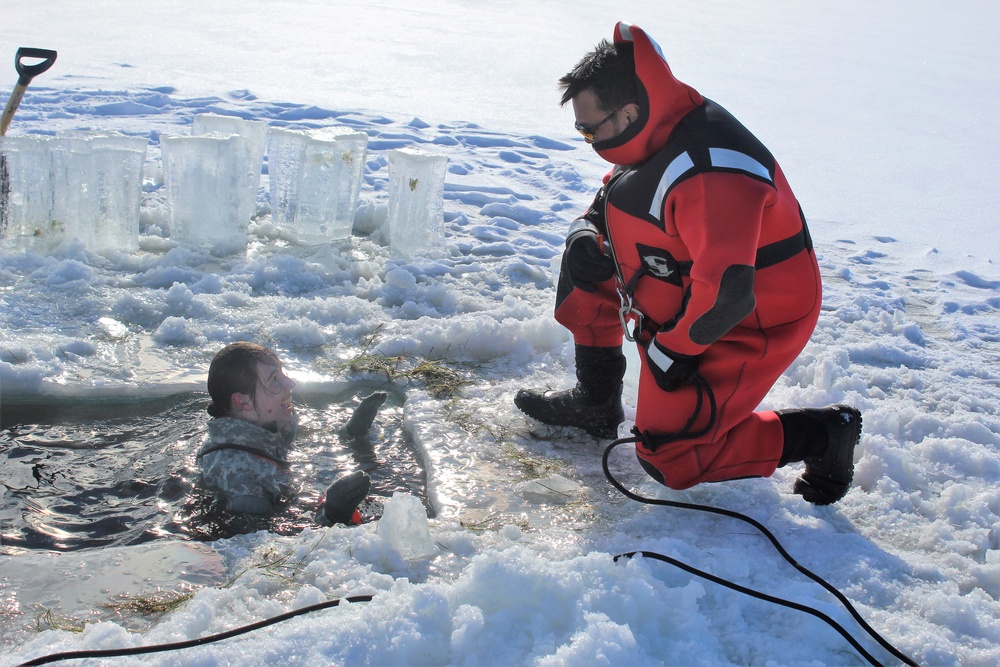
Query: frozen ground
[526, 526]
[880, 114]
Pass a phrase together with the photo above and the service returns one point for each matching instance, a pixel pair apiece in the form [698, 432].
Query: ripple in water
[88, 474]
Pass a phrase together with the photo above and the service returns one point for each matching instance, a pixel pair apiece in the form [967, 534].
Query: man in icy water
[696, 249]
[244, 459]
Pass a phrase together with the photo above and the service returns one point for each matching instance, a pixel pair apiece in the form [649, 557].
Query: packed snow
[880, 118]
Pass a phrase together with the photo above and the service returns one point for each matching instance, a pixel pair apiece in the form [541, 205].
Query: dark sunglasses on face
[589, 132]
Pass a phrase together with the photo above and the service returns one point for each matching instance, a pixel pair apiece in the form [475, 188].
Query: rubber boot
[824, 439]
[594, 404]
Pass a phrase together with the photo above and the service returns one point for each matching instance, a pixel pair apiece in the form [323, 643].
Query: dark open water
[86, 474]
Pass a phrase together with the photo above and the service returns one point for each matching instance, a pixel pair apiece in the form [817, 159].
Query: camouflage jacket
[246, 466]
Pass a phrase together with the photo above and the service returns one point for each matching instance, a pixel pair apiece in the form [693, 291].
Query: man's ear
[631, 111]
[241, 402]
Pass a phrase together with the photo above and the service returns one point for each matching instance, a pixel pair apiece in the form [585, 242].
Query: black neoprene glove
[344, 496]
[585, 262]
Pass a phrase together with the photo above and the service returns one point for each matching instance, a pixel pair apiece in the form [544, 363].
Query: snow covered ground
[878, 114]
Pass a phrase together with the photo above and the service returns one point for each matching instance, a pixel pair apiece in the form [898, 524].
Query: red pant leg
[592, 317]
[740, 368]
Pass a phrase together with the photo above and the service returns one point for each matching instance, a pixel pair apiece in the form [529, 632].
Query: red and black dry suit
[713, 251]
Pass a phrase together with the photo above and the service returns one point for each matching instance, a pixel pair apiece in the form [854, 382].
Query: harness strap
[779, 251]
[281, 463]
[767, 256]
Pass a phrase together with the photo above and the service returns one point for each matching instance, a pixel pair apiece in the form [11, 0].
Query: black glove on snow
[669, 369]
[344, 496]
[585, 262]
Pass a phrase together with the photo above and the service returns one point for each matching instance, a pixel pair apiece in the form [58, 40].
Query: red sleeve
[718, 218]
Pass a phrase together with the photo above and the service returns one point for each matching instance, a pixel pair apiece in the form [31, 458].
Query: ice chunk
[73, 209]
[318, 190]
[404, 526]
[255, 132]
[286, 151]
[202, 176]
[554, 489]
[82, 185]
[26, 196]
[416, 200]
[116, 190]
[351, 149]
[315, 179]
[97, 188]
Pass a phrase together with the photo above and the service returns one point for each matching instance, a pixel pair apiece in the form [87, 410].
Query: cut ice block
[318, 191]
[255, 132]
[118, 173]
[72, 206]
[416, 200]
[315, 179]
[202, 176]
[404, 526]
[82, 185]
[26, 199]
[116, 187]
[351, 149]
[97, 187]
[286, 151]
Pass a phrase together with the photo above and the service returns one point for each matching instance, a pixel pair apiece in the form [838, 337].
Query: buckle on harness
[624, 312]
[627, 310]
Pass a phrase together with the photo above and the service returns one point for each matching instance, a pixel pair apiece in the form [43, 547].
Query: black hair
[234, 369]
[609, 71]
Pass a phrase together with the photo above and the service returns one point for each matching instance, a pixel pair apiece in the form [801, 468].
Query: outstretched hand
[365, 413]
[344, 496]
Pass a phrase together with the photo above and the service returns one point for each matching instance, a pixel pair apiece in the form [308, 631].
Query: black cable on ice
[176, 646]
[747, 591]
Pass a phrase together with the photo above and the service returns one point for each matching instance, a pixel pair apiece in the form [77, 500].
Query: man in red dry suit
[696, 249]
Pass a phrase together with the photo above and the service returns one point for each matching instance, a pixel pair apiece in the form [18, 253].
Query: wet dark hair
[609, 71]
[234, 369]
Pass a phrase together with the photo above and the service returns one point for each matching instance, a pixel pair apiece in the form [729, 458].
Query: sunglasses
[589, 132]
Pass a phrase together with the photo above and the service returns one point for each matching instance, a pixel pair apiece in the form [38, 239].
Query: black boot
[824, 438]
[594, 404]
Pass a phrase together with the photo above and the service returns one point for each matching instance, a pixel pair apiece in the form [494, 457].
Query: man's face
[591, 120]
[273, 396]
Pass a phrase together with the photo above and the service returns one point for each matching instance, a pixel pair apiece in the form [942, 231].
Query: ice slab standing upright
[26, 199]
[202, 176]
[255, 132]
[315, 180]
[73, 207]
[117, 180]
[286, 151]
[416, 200]
[350, 148]
[105, 171]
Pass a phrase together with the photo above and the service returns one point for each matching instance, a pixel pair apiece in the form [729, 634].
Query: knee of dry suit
[651, 470]
[677, 476]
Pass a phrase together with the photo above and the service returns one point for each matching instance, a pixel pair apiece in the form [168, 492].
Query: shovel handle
[25, 74]
[12, 104]
[29, 72]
